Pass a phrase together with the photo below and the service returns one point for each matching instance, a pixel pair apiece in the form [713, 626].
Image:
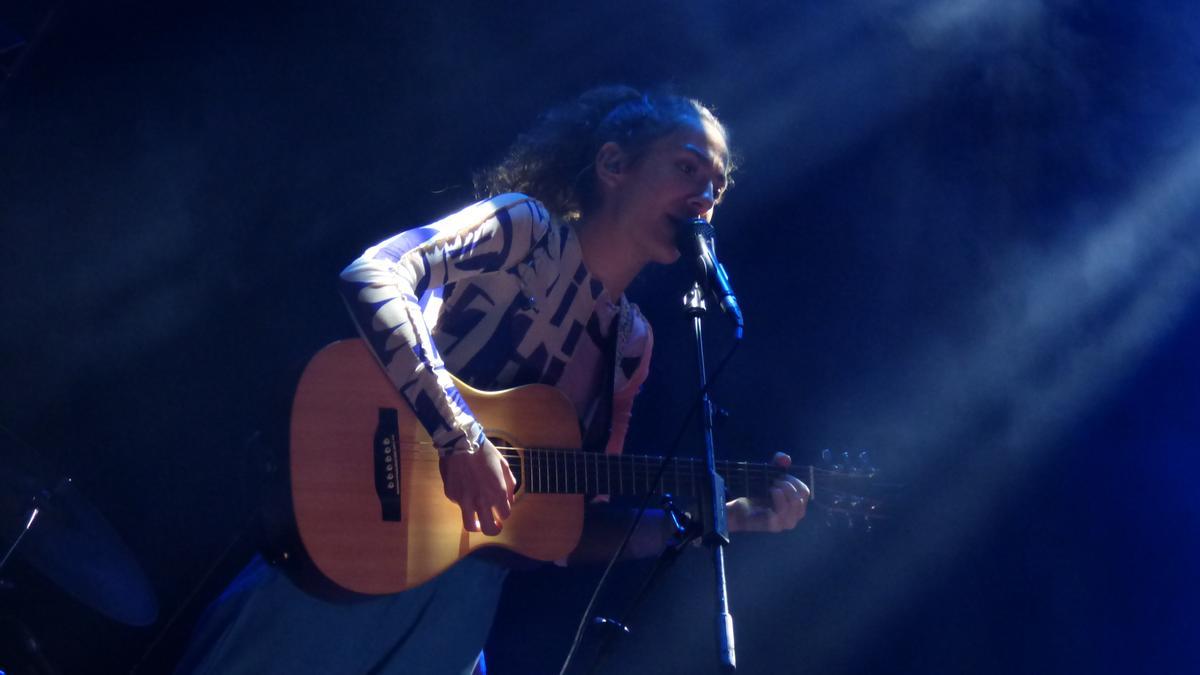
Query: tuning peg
[864, 463]
[831, 461]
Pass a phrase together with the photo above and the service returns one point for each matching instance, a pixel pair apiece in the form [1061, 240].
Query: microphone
[695, 238]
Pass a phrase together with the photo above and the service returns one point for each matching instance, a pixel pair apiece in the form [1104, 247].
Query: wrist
[469, 441]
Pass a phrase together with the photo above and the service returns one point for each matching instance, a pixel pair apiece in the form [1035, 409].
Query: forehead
[701, 137]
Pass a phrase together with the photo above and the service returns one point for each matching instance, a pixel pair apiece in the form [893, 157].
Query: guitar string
[633, 462]
[841, 484]
[637, 463]
[634, 466]
[754, 469]
[761, 477]
[844, 501]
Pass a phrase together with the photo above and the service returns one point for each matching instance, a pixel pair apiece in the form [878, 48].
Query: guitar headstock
[847, 489]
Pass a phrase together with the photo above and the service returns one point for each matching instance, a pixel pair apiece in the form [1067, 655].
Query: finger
[491, 528]
[793, 509]
[510, 482]
[500, 498]
[504, 507]
[802, 492]
[795, 485]
[805, 493]
[779, 507]
[470, 522]
[489, 523]
[789, 489]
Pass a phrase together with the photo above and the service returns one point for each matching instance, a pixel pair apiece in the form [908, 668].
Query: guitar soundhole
[512, 456]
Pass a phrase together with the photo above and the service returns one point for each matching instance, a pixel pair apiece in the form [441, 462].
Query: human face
[679, 177]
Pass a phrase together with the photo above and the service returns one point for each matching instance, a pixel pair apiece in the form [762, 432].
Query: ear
[611, 162]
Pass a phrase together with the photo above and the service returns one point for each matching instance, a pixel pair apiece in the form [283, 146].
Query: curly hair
[552, 161]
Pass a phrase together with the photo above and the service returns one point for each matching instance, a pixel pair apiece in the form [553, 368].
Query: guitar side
[334, 465]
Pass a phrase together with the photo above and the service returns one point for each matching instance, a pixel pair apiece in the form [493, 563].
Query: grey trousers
[264, 623]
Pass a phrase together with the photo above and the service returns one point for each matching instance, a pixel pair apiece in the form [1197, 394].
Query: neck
[550, 471]
[607, 254]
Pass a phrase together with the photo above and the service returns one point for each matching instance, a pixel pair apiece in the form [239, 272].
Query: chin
[669, 257]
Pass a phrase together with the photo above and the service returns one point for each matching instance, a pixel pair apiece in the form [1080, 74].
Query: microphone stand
[715, 530]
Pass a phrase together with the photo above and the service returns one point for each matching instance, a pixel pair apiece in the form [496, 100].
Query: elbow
[353, 283]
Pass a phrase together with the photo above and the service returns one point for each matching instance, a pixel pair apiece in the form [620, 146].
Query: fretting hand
[789, 499]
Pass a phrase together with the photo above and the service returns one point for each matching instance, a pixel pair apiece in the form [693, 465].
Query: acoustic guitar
[367, 493]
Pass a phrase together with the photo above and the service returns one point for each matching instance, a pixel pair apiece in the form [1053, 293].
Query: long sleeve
[390, 285]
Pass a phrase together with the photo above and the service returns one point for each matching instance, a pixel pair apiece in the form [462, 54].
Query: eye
[687, 167]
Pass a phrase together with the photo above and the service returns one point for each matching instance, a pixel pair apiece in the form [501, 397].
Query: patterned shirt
[510, 302]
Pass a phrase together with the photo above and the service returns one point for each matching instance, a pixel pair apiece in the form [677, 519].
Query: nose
[702, 202]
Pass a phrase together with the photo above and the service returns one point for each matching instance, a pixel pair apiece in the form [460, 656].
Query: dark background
[964, 233]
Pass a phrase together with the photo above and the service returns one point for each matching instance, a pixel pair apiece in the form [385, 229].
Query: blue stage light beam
[1066, 326]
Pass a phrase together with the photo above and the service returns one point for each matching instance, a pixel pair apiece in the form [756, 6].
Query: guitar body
[367, 496]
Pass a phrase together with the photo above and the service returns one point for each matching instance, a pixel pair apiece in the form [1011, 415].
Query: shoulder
[488, 235]
[508, 210]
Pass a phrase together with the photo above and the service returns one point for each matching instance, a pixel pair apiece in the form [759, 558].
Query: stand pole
[30, 517]
[712, 505]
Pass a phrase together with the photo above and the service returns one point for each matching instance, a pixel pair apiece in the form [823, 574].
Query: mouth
[688, 227]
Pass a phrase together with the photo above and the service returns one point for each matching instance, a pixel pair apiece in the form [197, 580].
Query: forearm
[388, 286]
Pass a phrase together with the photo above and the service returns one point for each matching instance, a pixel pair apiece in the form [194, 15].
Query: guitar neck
[546, 471]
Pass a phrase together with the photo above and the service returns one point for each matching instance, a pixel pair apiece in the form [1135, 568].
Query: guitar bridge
[386, 449]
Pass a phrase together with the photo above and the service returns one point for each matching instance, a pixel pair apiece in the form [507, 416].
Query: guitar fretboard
[550, 471]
